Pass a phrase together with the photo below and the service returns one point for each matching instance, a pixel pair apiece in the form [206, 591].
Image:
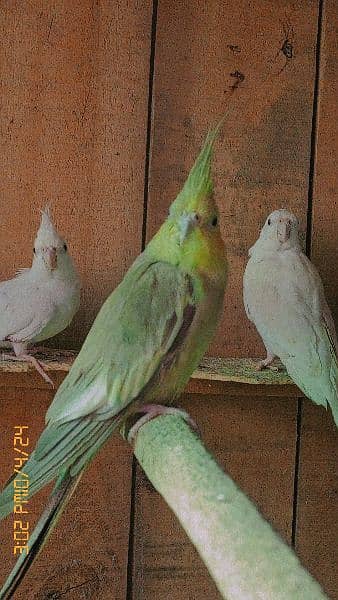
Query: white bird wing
[247, 292]
[330, 327]
[24, 312]
[286, 302]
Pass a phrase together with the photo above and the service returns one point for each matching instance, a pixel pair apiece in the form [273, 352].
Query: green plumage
[143, 346]
[199, 183]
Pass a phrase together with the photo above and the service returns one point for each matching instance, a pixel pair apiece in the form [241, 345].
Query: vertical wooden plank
[87, 555]
[263, 165]
[255, 443]
[73, 94]
[325, 196]
[263, 159]
[317, 514]
[317, 529]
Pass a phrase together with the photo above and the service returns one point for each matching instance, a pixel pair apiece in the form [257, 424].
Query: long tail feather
[48, 520]
[42, 468]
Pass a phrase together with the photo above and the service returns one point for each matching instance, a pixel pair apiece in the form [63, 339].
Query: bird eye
[34, 250]
[269, 221]
[214, 221]
[65, 247]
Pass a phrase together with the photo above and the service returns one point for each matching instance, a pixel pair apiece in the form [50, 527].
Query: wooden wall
[103, 108]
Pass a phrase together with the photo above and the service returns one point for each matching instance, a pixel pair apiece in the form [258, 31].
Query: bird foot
[154, 410]
[37, 364]
[266, 364]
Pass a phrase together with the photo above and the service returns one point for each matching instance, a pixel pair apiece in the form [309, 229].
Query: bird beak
[283, 231]
[187, 222]
[51, 258]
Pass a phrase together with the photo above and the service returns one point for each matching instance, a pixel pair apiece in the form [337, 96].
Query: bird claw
[263, 365]
[42, 372]
[154, 410]
[37, 364]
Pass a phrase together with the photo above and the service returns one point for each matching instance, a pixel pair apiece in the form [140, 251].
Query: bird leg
[22, 355]
[267, 362]
[154, 410]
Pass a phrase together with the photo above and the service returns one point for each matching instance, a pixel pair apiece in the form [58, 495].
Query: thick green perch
[245, 556]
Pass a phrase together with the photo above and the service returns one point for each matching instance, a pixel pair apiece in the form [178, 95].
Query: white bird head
[50, 249]
[280, 232]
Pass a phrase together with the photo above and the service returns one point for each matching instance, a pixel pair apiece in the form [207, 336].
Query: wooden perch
[244, 555]
[214, 376]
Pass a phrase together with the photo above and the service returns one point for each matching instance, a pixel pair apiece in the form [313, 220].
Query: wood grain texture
[325, 194]
[263, 157]
[87, 555]
[73, 94]
[255, 442]
[317, 514]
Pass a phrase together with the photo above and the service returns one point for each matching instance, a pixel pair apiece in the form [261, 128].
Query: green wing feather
[131, 334]
[56, 504]
[131, 338]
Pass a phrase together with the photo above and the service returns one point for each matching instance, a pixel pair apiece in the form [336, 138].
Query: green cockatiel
[147, 339]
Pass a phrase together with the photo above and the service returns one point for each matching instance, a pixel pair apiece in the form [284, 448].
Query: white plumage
[41, 301]
[284, 298]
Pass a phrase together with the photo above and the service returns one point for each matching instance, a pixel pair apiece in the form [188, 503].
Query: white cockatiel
[284, 298]
[41, 301]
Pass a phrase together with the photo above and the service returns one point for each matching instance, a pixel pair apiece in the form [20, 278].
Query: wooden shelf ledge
[231, 376]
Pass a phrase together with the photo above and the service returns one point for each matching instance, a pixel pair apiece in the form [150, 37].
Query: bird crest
[198, 188]
[47, 234]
